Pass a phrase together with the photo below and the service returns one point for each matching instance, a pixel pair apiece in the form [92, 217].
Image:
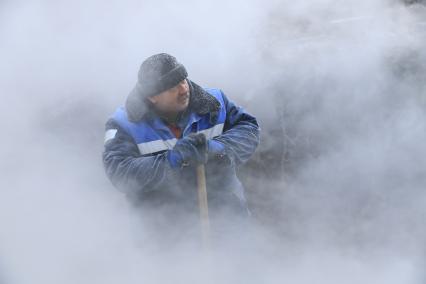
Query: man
[168, 126]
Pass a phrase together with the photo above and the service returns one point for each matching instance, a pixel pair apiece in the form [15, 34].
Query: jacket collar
[200, 104]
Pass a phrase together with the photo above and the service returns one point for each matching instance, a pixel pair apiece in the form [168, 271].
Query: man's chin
[183, 106]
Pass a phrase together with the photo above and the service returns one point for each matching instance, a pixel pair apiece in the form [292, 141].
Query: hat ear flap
[135, 105]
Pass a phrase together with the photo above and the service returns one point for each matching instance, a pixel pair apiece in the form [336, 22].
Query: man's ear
[152, 100]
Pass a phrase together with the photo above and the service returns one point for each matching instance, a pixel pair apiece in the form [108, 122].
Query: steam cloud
[336, 187]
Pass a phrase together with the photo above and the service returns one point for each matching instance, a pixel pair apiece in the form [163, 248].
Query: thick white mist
[341, 82]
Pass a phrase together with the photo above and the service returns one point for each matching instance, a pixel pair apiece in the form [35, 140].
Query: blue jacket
[136, 143]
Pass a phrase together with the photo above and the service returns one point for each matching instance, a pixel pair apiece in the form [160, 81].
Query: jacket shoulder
[217, 94]
[214, 92]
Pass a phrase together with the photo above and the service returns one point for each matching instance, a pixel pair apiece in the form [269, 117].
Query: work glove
[190, 150]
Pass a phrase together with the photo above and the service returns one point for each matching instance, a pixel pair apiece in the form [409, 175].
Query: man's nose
[183, 88]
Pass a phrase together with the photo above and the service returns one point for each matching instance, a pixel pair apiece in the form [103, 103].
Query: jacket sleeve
[127, 169]
[240, 133]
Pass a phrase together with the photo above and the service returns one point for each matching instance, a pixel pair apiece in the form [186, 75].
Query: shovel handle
[202, 203]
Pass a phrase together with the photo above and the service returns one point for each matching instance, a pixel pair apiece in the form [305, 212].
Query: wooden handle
[203, 204]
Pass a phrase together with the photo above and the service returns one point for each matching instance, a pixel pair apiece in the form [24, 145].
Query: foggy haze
[336, 188]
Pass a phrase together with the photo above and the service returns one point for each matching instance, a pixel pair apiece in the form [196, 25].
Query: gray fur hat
[158, 73]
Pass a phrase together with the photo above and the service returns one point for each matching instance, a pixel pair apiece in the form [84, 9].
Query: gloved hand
[189, 150]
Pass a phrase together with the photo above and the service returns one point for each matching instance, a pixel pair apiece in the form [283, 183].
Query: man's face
[173, 100]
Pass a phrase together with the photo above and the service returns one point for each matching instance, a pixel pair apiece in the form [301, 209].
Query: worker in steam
[168, 126]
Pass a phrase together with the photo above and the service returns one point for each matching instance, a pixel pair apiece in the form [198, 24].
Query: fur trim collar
[200, 102]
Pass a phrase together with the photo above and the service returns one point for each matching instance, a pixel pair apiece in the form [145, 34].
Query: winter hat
[158, 73]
